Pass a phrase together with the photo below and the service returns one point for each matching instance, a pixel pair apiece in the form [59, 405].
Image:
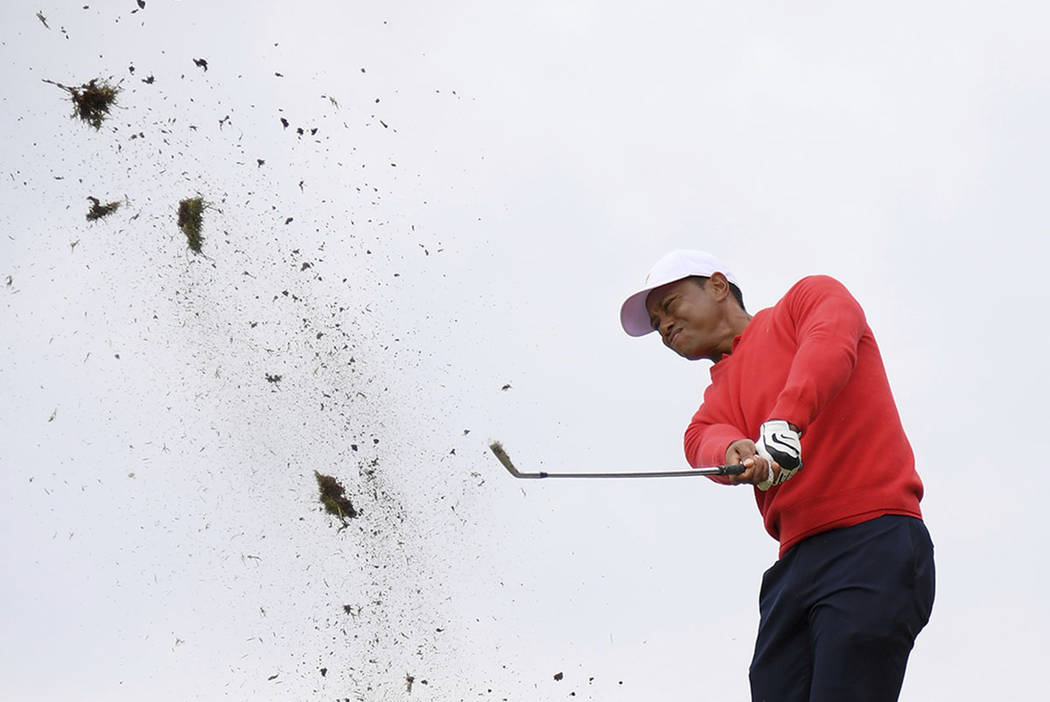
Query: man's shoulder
[818, 294]
[810, 289]
[813, 287]
[816, 282]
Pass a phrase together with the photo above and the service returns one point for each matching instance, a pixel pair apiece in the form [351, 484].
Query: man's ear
[719, 286]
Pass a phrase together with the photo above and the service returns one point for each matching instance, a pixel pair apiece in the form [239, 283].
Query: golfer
[799, 395]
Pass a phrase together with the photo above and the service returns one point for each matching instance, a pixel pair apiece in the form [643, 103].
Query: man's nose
[665, 327]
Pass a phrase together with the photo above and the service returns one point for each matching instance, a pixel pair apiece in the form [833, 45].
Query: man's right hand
[757, 469]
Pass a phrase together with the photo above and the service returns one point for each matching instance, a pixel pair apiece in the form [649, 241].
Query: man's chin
[681, 347]
[688, 354]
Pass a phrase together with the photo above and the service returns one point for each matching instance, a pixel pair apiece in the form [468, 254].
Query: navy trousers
[840, 612]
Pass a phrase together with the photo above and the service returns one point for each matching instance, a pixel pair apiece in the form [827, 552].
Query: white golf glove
[779, 443]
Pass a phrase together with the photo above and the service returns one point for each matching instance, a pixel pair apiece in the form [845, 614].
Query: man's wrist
[790, 425]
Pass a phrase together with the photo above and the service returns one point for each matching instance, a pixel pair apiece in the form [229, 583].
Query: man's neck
[737, 322]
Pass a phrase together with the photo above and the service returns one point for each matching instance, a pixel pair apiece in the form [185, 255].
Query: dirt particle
[190, 211]
[98, 210]
[333, 499]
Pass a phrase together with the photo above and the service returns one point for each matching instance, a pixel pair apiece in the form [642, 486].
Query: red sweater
[812, 360]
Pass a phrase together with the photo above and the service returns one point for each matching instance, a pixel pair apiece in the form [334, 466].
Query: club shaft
[501, 455]
[735, 469]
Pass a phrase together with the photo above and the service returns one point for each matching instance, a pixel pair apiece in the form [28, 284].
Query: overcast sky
[441, 264]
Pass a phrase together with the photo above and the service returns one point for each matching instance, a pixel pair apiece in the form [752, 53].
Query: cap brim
[634, 317]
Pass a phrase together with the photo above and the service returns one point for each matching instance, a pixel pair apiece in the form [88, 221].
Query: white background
[486, 184]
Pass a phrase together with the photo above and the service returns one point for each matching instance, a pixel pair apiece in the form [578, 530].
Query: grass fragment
[91, 101]
[190, 210]
[98, 210]
[332, 497]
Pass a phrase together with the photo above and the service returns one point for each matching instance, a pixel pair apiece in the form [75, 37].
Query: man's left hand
[780, 442]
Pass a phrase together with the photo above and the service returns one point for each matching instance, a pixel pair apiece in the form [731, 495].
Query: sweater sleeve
[829, 324]
[706, 442]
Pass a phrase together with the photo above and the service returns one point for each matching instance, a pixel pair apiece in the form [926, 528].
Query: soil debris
[91, 101]
[98, 210]
[332, 497]
[190, 211]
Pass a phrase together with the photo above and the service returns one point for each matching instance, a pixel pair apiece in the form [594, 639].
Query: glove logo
[787, 456]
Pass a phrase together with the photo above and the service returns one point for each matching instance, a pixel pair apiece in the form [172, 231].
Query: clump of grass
[91, 101]
[94, 100]
[98, 210]
[190, 211]
[332, 497]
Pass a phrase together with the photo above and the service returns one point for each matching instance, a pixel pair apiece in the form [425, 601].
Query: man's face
[687, 317]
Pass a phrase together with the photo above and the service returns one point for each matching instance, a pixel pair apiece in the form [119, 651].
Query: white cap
[676, 265]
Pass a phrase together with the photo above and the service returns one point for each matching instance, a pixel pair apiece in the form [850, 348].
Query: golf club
[733, 469]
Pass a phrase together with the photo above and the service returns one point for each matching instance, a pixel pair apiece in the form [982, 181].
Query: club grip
[733, 469]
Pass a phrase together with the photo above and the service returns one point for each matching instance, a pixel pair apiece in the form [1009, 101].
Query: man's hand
[758, 470]
[780, 443]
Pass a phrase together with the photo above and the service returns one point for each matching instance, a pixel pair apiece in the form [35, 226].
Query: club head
[501, 455]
